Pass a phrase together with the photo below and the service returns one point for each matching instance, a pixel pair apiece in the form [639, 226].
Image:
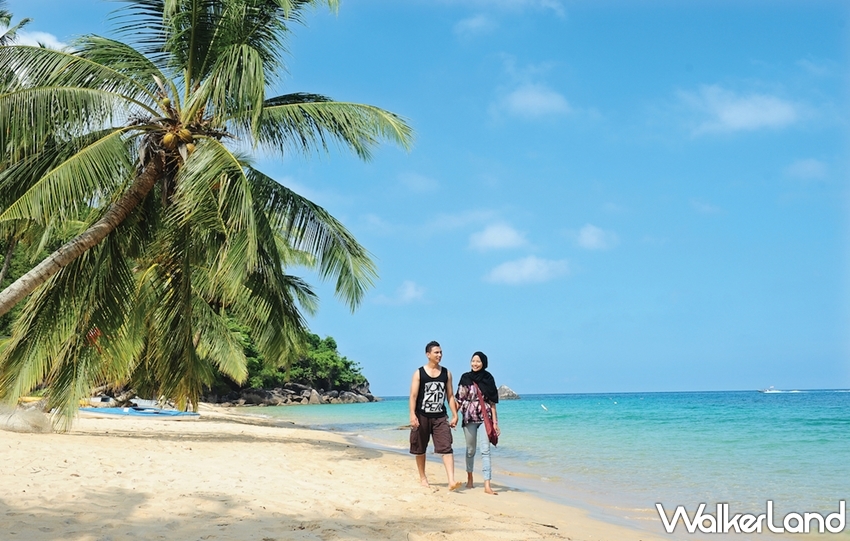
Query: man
[430, 388]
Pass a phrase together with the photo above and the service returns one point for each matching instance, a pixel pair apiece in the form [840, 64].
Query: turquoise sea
[617, 455]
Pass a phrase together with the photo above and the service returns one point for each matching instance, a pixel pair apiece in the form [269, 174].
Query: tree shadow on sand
[116, 514]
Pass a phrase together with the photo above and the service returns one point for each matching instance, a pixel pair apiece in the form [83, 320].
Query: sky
[608, 196]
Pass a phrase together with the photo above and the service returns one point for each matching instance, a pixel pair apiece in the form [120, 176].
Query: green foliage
[7, 31]
[18, 266]
[21, 263]
[319, 365]
[142, 145]
[322, 367]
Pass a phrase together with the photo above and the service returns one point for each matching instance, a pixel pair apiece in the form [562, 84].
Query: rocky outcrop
[292, 394]
[506, 393]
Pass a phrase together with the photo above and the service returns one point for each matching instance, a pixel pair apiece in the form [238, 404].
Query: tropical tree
[8, 32]
[8, 235]
[144, 143]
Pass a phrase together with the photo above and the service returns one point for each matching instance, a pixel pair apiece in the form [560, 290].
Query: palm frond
[303, 122]
[217, 343]
[42, 67]
[61, 332]
[310, 228]
[11, 33]
[215, 196]
[236, 85]
[29, 118]
[125, 60]
[172, 359]
[5, 14]
[98, 168]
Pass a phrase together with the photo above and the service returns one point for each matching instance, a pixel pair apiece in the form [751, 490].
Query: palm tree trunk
[7, 261]
[89, 238]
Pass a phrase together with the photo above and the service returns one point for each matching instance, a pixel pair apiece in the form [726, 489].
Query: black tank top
[431, 401]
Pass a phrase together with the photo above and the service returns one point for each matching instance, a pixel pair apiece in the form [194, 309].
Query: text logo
[723, 522]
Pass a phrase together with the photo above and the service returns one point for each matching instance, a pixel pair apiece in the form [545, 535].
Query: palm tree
[9, 236]
[9, 32]
[144, 143]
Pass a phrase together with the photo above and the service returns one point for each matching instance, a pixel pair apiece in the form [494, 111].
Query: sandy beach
[218, 478]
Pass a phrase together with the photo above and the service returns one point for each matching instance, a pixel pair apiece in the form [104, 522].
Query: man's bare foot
[454, 486]
[488, 489]
[469, 481]
[424, 482]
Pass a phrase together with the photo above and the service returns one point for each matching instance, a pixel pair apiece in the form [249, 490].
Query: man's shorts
[436, 426]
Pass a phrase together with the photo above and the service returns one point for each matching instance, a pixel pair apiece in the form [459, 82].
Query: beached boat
[151, 413]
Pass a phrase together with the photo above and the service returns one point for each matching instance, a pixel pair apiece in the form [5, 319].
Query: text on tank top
[432, 393]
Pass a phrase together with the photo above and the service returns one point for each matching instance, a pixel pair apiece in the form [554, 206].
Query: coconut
[184, 135]
[169, 140]
[190, 147]
[165, 102]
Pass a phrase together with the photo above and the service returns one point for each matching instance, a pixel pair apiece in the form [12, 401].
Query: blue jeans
[471, 433]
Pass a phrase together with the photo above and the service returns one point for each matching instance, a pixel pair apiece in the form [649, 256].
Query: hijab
[483, 378]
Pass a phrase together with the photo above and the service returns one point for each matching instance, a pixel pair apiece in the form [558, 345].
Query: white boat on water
[770, 390]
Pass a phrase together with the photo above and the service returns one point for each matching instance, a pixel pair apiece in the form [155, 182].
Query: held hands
[453, 422]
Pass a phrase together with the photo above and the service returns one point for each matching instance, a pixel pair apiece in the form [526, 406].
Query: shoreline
[519, 481]
[522, 482]
[232, 476]
[235, 476]
[644, 522]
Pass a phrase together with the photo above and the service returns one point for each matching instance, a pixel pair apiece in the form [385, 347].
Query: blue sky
[602, 196]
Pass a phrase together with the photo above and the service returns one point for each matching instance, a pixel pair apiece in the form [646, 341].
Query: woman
[469, 407]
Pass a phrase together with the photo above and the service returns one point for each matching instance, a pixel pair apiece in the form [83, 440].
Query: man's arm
[414, 394]
[450, 395]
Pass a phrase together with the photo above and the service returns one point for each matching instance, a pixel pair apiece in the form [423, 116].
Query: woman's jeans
[471, 433]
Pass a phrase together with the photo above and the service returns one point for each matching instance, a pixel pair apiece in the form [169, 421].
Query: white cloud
[533, 101]
[704, 207]
[496, 236]
[34, 39]
[527, 270]
[475, 25]
[408, 292]
[591, 237]
[419, 183]
[730, 112]
[809, 169]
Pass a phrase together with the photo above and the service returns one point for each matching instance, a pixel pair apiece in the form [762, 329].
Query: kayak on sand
[139, 412]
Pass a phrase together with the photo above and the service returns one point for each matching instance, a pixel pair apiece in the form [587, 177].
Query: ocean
[617, 455]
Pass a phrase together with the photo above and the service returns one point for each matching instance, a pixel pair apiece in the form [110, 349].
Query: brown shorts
[428, 426]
